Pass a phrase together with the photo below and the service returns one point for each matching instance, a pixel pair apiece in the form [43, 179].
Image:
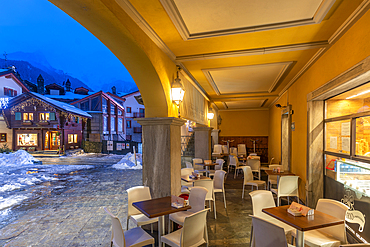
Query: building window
[85, 106]
[2, 137]
[112, 124]
[119, 112]
[128, 124]
[128, 109]
[27, 116]
[72, 138]
[27, 139]
[105, 123]
[120, 125]
[104, 105]
[128, 137]
[112, 109]
[18, 116]
[10, 92]
[45, 116]
[142, 110]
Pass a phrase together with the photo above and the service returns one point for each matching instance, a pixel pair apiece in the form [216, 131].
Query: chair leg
[243, 191]
[169, 225]
[288, 201]
[151, 228]
[251, 239]
[278, 201]
[223, 192]
[128, 220]
[214, 207]
[292, 240]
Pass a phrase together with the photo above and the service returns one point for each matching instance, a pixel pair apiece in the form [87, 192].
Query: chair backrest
[218, 180]
[261, 199]
[118, 237]
[220, 162]
[217, 149]
[268, 234]
[195, 161]
[242, 149]
[186, 171]
[233, 161]
[197, 198]
[255, 164]
[208, 184]
[136, 194]
[335, 209]
[248, 175]
[272, 159]
[233, 151]
[188, 164]
[224, 149]
[288, 186]
[193, 230]
[275, 166]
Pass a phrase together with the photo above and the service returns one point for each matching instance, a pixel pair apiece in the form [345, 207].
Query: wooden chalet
[41, 123]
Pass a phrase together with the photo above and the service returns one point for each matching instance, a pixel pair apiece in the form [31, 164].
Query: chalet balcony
[139, 114]
[138, 129]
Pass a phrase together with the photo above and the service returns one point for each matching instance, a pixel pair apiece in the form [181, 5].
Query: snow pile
[20, 157]
[128, 162]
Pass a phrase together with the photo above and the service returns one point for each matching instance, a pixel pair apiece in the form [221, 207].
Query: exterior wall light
[177, 90]
[210, 114]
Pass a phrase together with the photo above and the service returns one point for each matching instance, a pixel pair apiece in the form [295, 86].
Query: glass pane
[353, 101]
[363, 136]
[338, 136]
[27, 139]
[113, 124]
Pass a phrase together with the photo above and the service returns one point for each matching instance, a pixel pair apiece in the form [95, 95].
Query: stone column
[214, 134]
[202, 140]
[162, 155]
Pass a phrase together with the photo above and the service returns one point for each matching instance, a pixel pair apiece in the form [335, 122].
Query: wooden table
[302, 223]
[158, 208]
[206, 165]
[189, 179]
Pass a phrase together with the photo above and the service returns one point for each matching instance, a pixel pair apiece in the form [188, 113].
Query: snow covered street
[58, 190]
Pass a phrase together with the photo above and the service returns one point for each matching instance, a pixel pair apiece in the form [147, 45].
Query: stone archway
[150, 68]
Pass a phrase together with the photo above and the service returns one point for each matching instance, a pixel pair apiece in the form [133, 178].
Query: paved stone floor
[74, 215]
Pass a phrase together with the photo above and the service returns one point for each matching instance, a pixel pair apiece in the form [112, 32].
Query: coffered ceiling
[244, 54]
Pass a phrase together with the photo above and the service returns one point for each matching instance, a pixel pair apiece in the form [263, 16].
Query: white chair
[220, 163]
[188, 164]
[268, 234]
[208, 184]
[224, 149]
[248, 179]
[234, 151]
[232, 162]
[238, 166]
[217, 149]
[198, 168]
[133, 237]
[329, 236]
[272, 179]
[136, 194]
[242, 149]
[264, 199]
[197, 199]
[255, 165]
[218, 183]
[193, 232]
[288, 186]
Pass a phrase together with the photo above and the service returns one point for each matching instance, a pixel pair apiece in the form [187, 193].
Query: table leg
[160, 230]
[300, 239]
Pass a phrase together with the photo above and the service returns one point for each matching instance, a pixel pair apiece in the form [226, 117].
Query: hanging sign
[110, 145]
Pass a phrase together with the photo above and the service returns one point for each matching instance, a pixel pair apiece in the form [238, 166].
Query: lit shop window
[27, 139]
[2, 137]
[27, 116]
[44, 116]
[72, 138]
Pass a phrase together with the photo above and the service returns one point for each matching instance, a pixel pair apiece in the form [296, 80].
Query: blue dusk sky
[39, 27]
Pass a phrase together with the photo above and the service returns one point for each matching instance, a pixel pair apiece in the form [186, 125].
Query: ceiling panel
[243, 104]
[261, 78]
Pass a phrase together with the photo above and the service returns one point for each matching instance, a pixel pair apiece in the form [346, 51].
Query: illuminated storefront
[27, 139]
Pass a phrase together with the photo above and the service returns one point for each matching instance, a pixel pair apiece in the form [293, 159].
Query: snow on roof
[3, 70]
[70, 95]
[63, 106]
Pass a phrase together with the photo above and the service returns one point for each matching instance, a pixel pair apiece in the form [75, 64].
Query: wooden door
[54, 140]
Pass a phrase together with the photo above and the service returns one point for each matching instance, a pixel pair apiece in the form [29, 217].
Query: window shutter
[18, 116]
[52, 116]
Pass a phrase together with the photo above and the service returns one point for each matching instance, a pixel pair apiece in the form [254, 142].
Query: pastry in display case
[354, 174]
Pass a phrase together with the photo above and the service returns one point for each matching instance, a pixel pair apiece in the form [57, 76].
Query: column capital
[160, 121]
[202, 128]
[216, 130]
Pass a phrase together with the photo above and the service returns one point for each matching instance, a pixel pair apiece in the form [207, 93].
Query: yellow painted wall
[244, 123]
[349, 50]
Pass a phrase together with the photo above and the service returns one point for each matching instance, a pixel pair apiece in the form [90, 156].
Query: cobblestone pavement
[73, 215]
